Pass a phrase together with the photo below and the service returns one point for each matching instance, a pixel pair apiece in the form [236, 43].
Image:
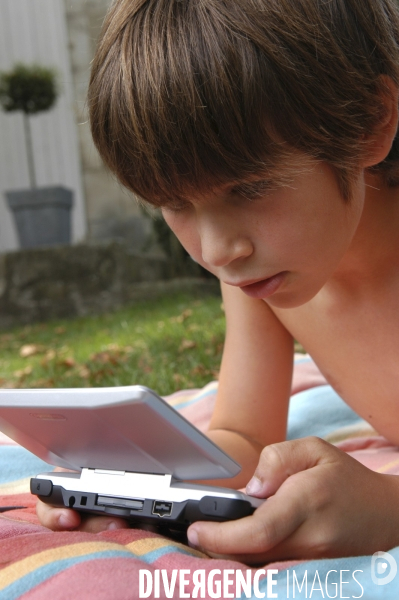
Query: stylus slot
[162, 509]
[83, 501]
[120, 502]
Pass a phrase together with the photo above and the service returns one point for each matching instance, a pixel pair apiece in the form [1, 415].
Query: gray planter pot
[42, 215]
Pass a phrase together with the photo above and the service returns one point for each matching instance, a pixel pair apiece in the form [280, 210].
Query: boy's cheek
[192, 245]
[187, 235]
[179, 224]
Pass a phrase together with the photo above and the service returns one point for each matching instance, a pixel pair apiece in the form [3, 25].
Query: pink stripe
[116, 578]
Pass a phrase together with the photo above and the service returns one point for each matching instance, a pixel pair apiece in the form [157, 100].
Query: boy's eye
[177, 206]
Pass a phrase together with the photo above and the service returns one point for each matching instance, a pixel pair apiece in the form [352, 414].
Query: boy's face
[282, 244]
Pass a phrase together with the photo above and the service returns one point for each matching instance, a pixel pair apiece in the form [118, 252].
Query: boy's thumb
[280, 461]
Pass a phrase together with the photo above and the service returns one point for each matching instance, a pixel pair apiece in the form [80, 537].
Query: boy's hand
[60, 519]
[321, 503]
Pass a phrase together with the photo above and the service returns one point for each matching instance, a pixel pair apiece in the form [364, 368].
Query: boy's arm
[252, 404]
[255, 383]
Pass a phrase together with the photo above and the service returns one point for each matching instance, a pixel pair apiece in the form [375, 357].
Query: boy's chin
[291, 298]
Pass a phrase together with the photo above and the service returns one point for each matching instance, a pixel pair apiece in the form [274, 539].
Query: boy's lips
[264, 287]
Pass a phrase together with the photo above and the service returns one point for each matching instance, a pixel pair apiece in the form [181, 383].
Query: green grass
[167, 344]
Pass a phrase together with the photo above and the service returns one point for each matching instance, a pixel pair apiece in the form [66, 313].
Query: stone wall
[43, 284]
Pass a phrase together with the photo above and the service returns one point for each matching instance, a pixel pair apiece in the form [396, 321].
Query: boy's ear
[380, 141]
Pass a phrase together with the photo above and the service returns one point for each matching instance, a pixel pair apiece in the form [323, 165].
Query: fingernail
[65, 522]
[192, 535]
[254, 487]
[112, 525]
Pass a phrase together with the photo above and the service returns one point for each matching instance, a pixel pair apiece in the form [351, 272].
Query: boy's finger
[91, 524]
[57, 519]
[279, 461]
[62, 519]
[272, 523]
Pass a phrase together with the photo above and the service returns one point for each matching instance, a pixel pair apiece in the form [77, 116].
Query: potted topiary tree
[42, 215]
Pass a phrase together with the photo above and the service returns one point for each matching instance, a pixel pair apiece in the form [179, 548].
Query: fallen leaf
[83, 372]
[68, 362]
[8, 385]
[182, 317]
[114, 358]
[30, 350]
[100, 374]
[48, 357]
[22, 373]
[200, 370]
[187, 345]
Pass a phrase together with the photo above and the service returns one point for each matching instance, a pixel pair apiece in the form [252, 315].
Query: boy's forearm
[244, 450]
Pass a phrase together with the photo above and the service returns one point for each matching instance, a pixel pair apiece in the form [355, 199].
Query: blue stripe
[194, 400]
[318, 411]
[154, 555]
[17, 463]
[305, 359]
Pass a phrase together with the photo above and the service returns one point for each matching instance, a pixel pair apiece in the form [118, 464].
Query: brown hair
[186, 95]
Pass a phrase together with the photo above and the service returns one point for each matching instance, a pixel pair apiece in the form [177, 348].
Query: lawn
[166, 344]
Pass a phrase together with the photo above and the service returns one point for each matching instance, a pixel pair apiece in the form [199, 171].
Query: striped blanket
[37, 564]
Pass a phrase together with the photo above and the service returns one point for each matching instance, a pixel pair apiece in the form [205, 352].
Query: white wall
[112, 211]
[35, 31]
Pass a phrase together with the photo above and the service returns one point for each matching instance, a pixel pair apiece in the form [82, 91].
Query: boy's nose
[219, 250]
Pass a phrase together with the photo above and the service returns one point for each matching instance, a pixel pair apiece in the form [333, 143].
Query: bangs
[190, 95]
[180, 117]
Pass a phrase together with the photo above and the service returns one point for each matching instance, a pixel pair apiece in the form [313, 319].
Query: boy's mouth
[265, 287]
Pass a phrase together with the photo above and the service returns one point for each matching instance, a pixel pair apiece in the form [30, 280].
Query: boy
[266, 132]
